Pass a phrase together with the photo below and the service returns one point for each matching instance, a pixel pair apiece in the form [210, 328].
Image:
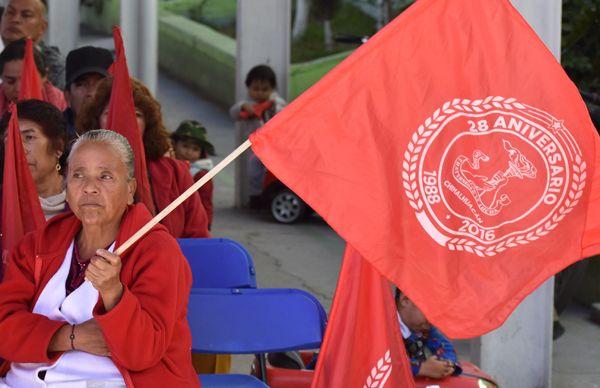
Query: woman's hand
[104, 273]
[435, 368]
[87, 337]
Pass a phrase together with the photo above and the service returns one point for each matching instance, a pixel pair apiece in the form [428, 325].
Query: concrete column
[262, 37]
[519, 354]
[63, 24]
[139, 26]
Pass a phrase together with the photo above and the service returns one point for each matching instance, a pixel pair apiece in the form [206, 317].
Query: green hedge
[198, 56]
[203, 58]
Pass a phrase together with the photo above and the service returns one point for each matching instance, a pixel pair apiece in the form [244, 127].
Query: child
[260, 106]
[190, 144]
[262, 102]
[431, 354]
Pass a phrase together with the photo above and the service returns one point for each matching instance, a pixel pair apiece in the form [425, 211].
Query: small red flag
[363, 346]
[21, 209]
[453, 152]
[31, 87]
[122, 119]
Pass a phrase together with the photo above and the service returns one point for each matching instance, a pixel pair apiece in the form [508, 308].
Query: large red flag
[363, 345]
[122, 119]
[31, 86]
[21, 209]
[453, 153]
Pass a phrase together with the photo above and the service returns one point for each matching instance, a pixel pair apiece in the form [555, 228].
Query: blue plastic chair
[218, 263]
[253, 321]
[231, 381]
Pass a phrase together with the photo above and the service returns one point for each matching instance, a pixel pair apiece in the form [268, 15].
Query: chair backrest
[255, 320]
[218, 263]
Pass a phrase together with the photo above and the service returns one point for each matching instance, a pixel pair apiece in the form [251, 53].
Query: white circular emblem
[487, 175]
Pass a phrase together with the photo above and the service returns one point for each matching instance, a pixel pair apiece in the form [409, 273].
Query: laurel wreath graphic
[432, 123]
[380, 372]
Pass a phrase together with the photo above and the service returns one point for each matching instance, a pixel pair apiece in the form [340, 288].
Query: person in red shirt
[168, 177]
[77, 313]
[11, 67]
[44, 137]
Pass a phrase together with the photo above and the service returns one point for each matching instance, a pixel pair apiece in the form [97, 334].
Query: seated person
[261, 104]
[86, 67]
[44, 137]
[431, 354]
[29, 19]
[80, 315]
[168, 177]
[11, 69]
[190, 145]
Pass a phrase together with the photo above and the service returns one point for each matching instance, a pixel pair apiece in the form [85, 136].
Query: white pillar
[139, 27]
[262, 37]
[63, 25]
[519, 354]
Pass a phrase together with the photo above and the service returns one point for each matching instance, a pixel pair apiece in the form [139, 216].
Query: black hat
[86, 60]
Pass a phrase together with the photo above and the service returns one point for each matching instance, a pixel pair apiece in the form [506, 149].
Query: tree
[325, 11]
[580, 54]
[301, 17]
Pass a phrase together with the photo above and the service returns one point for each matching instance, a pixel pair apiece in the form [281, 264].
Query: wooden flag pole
[185, 195]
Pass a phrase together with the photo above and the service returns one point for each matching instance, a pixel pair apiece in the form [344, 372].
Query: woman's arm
[30, 334]
[86, 337]
[139, 329]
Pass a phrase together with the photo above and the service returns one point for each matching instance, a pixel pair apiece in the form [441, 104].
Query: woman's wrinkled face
[98, 187]
[139, 116]
[41, 158]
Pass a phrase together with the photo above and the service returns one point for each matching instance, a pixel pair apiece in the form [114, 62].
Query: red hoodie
[147, 332]
[169, 178]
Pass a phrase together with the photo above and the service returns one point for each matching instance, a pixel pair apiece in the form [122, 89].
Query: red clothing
[168, 179]
[51, 94]
[206, 194]
[147, 332]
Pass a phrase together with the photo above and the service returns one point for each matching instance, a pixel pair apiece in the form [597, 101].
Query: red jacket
[206, 194]
[169, 178]
[147, 332]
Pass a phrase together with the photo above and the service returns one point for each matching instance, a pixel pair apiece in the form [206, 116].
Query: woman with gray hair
[78, 313]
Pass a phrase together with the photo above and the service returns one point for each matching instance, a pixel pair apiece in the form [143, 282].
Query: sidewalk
[308, 255]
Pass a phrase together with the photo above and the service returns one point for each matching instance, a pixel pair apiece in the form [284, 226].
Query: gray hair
[112, 139]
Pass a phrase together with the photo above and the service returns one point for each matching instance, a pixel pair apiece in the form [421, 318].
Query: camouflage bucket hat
[193, 130]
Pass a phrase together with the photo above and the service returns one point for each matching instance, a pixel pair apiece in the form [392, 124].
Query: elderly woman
[43, 133]
[78, 314]
[168, 177]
